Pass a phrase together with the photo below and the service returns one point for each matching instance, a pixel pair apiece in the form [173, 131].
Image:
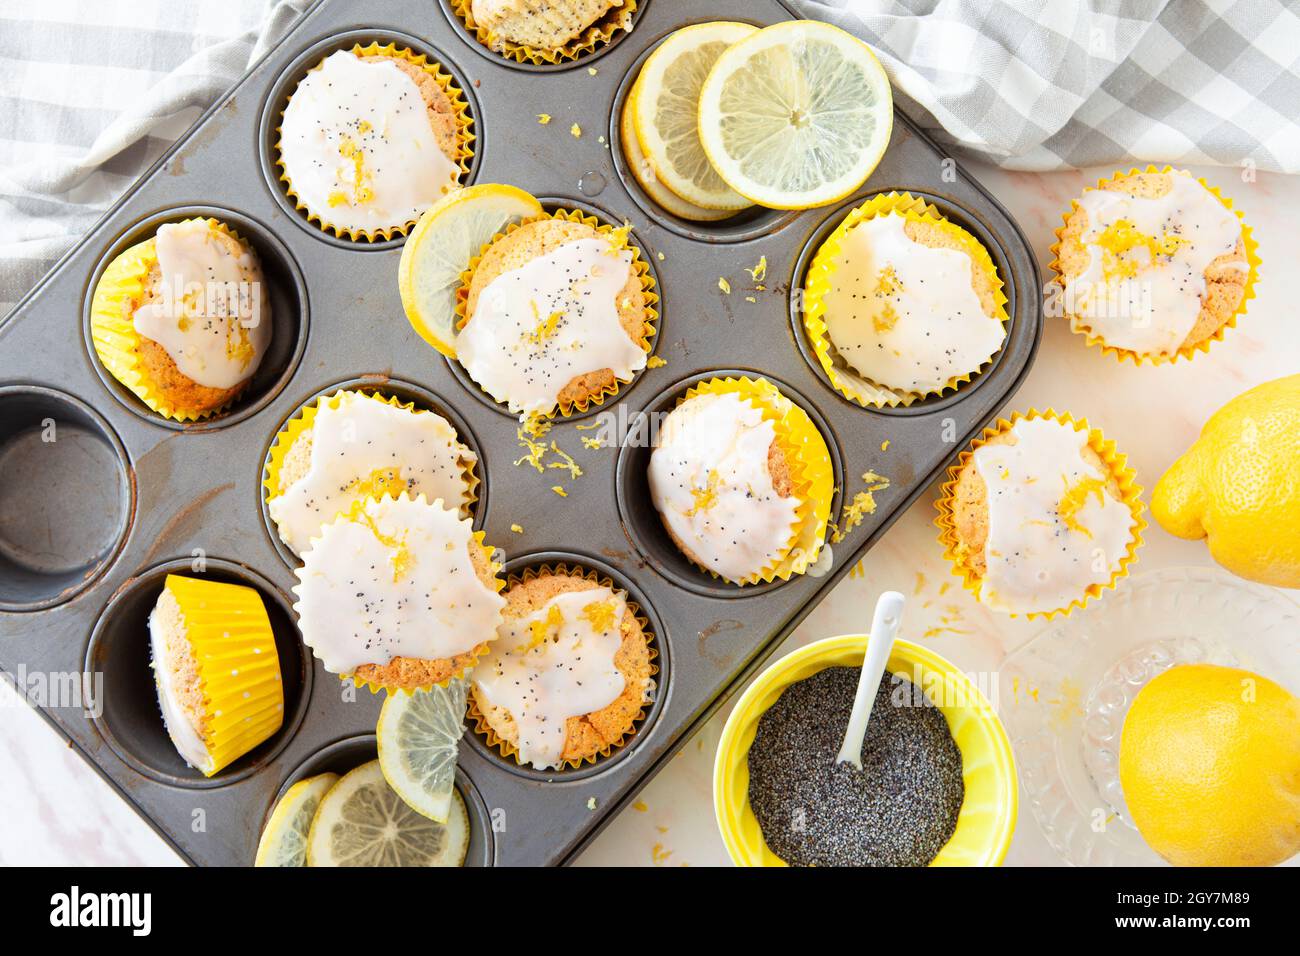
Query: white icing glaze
[179, 723]
[904, 314]
[354, 442]
[1152, 310]
[358, 147]
[212, 313]
[537, 327]
[395, 582]
[1039, 559]
[554, 664]
[710, 481]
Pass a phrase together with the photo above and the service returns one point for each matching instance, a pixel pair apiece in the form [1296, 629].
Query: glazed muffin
[183, 319]
[370, 138]
[1152, 264]
[216, 670]
[355, 445]
[742, 481]
[912, 302]
[1039, 518]
[543, 26]
[570, 672]
[556, 315]
[398, 593]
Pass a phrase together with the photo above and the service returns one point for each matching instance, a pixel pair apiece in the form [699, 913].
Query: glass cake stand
[1064, 695]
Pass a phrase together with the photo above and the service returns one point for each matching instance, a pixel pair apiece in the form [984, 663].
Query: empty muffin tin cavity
[551, 204]
[274, 105]
[348, 754]
[658, 643]
[129, 717]
[583, 60]
[641, 521]
[423, 400]
[67, 496]
[756, 222]
[954, 213]
[285, 287]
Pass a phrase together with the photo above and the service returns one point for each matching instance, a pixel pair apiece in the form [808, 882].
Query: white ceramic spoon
[884, 628]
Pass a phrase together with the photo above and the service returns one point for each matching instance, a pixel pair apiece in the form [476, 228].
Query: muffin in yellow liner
[590, 736]
[635, 303]
[585, 28]
[400, 593]
[828, 263]
[217, 670]
[795, 462]
[447, 468]
[1140, 306]
[448, 102]
[135, 281]
[1100, 473]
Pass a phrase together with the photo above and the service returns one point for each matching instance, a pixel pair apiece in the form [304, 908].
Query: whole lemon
[1210, 765]
[1238, 486]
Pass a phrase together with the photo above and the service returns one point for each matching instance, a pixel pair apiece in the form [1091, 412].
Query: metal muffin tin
[90, 521]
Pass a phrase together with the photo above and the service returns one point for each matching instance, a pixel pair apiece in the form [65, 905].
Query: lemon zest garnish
[566, 461]
[543, 118]
[863, 504]
[724, 285]
[1122, 237]
[559, 490]
[380, 482]
[545, 328]
[575, 130]
[591, 71]
[361, 191]
[759, 272]
[402, 559]
[884, 445]
[1075, 497]
[592, 443]
[655, 361]
[750, 298]
[541, 629]
[529, 434]
[706, 497]
[600, 615]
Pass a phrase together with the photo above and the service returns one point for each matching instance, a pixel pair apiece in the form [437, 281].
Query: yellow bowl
[988, 812]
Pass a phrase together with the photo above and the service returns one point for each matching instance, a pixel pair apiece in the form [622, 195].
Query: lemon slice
[419, 734]
[796, 115]
[667, 94]
[284, 840]
[361, 821]
[645, 174]
[439, 248]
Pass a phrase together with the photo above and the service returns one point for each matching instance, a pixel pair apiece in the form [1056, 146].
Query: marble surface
[55, 810]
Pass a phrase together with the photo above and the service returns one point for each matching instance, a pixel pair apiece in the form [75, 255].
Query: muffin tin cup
[640, 518]
[351, 752]
[423, 400]
[67, 497]
[580, 54]
[130, 721]
[192, 489]
[290, 315]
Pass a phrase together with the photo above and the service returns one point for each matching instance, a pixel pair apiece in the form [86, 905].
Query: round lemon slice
[645, 175]
[419, 734]
[361, 821]
[439, 248]
[667, 94]
[796, 115]
[284, 840]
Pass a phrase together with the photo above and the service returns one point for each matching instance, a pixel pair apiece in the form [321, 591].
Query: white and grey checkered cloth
[93, 91]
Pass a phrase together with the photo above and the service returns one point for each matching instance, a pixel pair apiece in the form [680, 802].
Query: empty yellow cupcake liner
[1117, 464]
[810, 465]
[112, 330]
[1138, 358]
[465, 138]
[480, 723]
[821, 277]
[599, 33]
[304, 420]
[475, 653]
[230, 635]
[618, 237]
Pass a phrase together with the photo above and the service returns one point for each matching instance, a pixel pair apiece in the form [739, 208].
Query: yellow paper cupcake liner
[475, 654]
[230, 635]
[465, 138]
[304, 420]
[810, 465]
[1117, 464]
[821, 277]
[1138, 358]
[600, 32]
[112, 330]
[618, 237]
[476, 717]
